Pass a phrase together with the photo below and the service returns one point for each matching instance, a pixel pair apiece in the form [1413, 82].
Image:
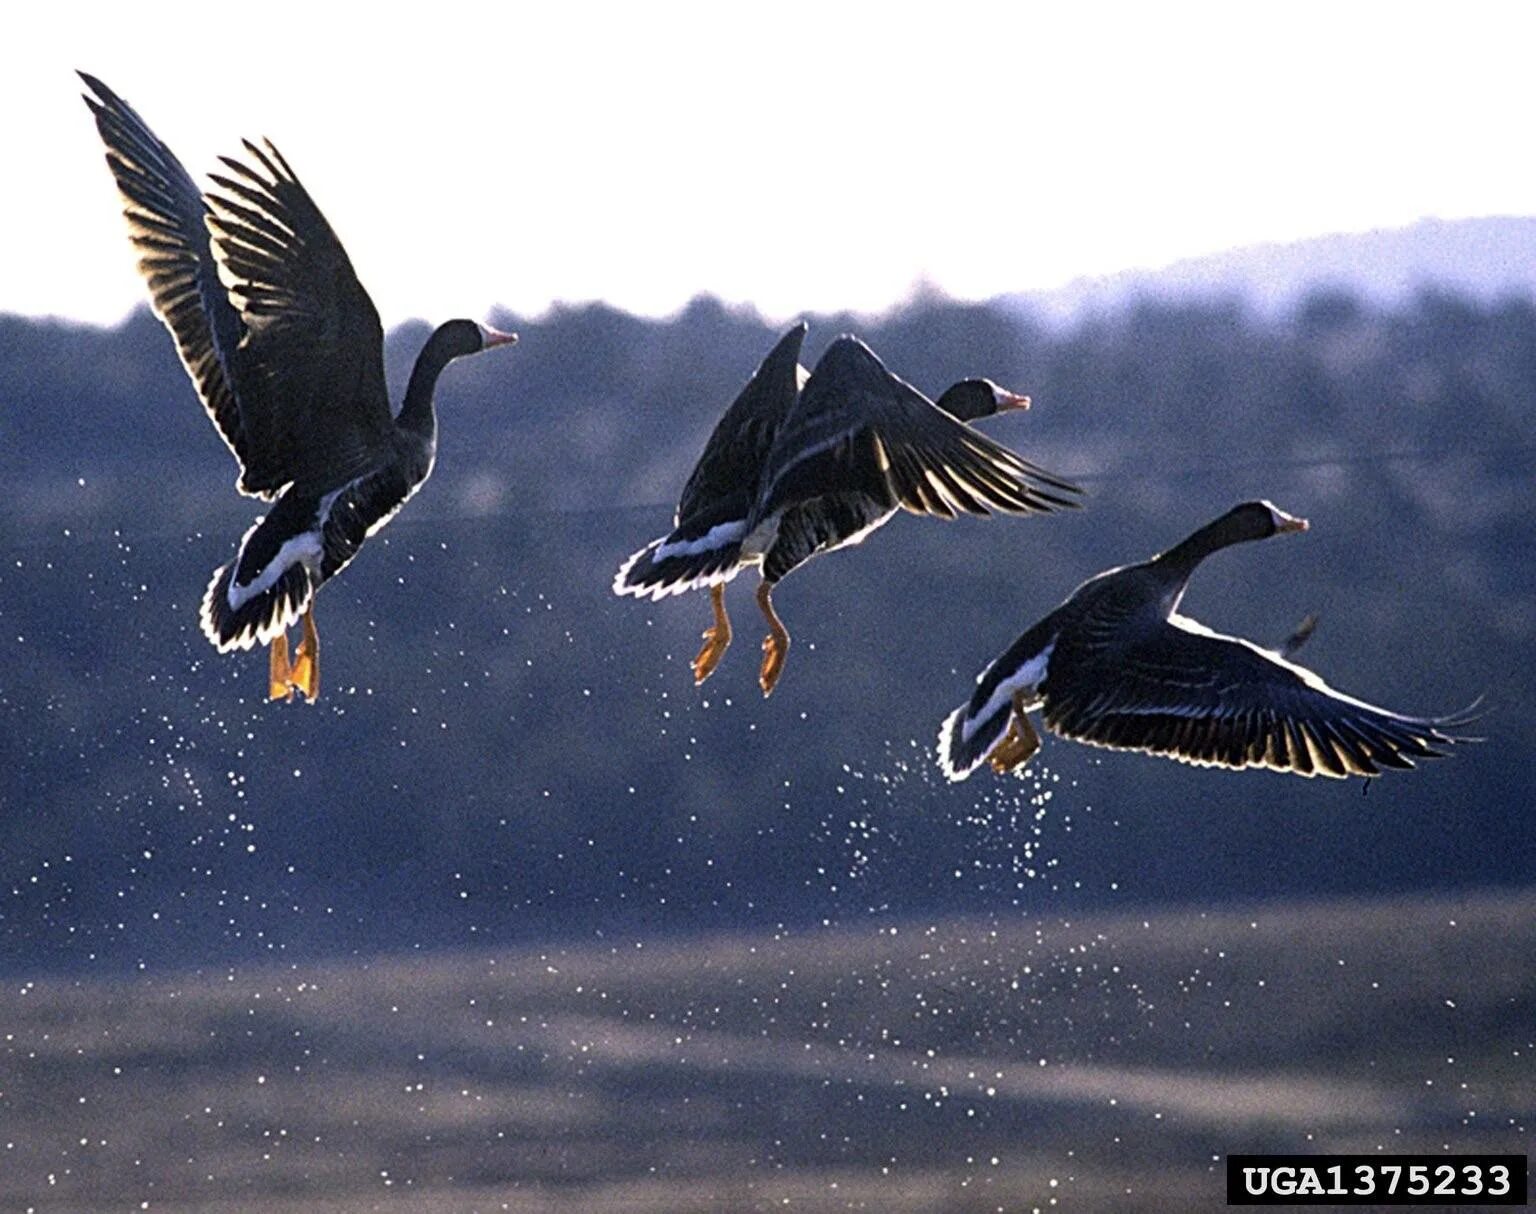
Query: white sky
[795, 156]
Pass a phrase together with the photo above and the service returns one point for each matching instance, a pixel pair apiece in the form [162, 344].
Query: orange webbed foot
[1019, 743]
[717, 638]
[305, 674]
[775, 650]
[775, 644]
[279, 673]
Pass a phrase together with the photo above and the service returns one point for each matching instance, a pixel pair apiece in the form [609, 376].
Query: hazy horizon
[794, 161]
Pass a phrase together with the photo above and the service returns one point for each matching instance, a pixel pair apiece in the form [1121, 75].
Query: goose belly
[854, 522]
[359, 509]
[756, 543]
[823, 525]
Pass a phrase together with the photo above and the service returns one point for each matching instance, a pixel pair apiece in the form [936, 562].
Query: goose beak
[1289, 522]
[1008, 400]
[495, 337]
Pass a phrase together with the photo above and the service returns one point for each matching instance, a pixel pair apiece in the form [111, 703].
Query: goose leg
[717, 637]
[1019, 743]
[279, 673]
[306, 666]
[775, 644]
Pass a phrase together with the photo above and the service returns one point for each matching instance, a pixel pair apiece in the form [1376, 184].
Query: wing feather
[313, 401]
[1198, 696]
[855, 419]
[723, 484]
[166, 225]
[279, 338]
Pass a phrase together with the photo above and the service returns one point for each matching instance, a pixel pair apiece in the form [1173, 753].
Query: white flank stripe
[305, 546]
[716, 537]
[1027, 678]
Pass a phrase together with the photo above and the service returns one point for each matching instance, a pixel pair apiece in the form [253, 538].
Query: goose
[286, 352]
[1117, 666]
[806, 463]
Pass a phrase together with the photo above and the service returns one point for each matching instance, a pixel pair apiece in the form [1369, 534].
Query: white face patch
[1005, 399]
[495, 337]
[1027, 678]
[1283, 521]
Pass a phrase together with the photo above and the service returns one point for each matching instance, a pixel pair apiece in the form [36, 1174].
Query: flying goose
[285, 350]
[802, 464]
[1117, 666]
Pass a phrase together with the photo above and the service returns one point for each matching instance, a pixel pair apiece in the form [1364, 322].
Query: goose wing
[1198, 696]
[309, 372]
[166, 223]
[856, 426]
[723, 484]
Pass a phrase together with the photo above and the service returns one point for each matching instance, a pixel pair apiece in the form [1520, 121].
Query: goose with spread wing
[802, 464]
[1117, 666]
[285, 349]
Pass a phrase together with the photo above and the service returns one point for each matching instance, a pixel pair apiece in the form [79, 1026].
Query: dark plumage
[286, 352]
[1117, 666]
[805, 464]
